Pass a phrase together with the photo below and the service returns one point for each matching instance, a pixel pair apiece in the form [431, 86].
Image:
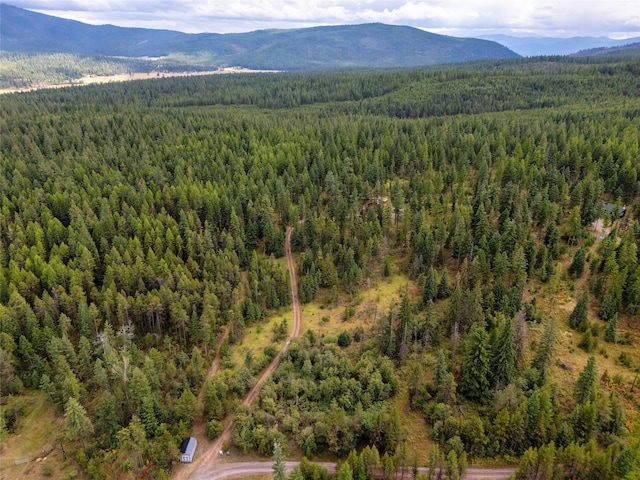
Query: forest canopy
[138, 220]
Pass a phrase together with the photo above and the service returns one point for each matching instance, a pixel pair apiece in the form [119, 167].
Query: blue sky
[463, 18]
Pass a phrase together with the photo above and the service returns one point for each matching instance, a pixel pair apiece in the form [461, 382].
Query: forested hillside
[373, 45]
[139, 221]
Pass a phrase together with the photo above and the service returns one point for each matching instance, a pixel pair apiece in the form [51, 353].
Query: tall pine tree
[546, 349]
[475, 383]
[503, 356]
[440, 370]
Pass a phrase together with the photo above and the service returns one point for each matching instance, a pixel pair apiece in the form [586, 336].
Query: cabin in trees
[610, 209]
[188, 449]
[371, 202]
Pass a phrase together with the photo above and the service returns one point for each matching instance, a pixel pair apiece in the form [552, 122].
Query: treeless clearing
[93, 79]
[36, 442]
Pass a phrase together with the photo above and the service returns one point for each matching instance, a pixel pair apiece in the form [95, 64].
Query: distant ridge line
[325, 47]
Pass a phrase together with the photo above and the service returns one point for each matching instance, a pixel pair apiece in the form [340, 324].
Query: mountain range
[331, 47]
[535, 46]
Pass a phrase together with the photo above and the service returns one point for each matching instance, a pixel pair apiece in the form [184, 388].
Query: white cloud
[466, 17]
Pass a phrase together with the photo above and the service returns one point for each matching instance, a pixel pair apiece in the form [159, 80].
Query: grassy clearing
[260, 335]
[418, 438]
[38, 432]
[360, 310]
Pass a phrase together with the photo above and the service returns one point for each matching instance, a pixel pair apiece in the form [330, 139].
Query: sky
[461, 18]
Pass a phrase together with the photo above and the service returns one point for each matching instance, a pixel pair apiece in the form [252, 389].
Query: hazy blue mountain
[632, 50]
[369, 45]
[534, 46]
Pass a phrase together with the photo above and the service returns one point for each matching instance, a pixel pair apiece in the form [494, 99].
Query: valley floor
[92, 79]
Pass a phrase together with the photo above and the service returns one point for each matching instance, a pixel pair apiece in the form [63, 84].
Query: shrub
[270, 351]
[386, 271]
[589, 341]
[349, 312]
[344, 339]
[47, 470]
[358, 334]
[625, 359]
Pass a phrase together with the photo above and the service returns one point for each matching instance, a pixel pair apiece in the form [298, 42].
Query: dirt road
[205, 459]
[295, 331]
[245, 469]
[199, 424]
[207, 465]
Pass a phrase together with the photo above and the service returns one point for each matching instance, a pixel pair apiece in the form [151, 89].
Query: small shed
[188, 449]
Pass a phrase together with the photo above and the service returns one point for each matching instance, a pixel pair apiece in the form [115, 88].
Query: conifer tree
[588, 342]
[551, 238]
[360, 471]
[279, 468]
[453, 471]
[475, 383]
[546, 349]
[345, 472]
[610, 332]
[579, 315]
[444, 287]
[3, 428]
[133, 439]
[585, 389]
[186, 407]
[440, 370]
[576, 269]
[503, 358]
[148, 416]
[77, 425]
[388, 466]
[430, 286]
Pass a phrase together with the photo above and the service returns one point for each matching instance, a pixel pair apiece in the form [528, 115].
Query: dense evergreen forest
[140, 220]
